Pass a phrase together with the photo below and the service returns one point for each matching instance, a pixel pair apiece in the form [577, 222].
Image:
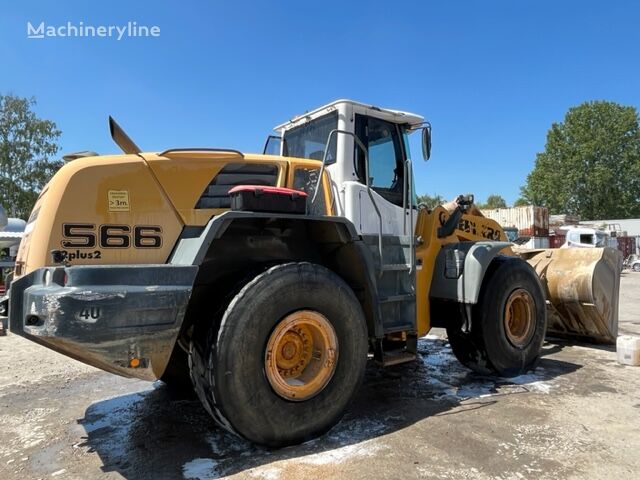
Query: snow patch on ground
[201, 469]
[111, 420]
[339, 455]
[112, 411]
[533, 382]
[450, 379]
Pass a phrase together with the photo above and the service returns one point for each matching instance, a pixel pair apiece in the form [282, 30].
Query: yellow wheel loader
[266, 281]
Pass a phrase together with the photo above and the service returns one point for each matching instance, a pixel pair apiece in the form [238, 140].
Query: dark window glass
[382, 140]
[308, 140]
[306, 179]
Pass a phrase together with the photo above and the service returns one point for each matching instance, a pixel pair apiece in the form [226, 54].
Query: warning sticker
[119, 201]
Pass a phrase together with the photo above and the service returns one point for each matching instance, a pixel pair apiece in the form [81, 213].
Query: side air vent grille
[216, 195]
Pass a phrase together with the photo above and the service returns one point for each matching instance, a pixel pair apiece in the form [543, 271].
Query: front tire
[286, 358]
[508, 322]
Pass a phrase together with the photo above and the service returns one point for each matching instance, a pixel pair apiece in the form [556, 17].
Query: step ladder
[396, 296]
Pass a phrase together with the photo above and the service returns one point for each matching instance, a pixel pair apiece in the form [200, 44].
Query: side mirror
[426, 142]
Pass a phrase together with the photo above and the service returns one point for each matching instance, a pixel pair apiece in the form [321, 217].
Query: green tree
[27, 144]
[493, 201]
[431, 201]
[520, 202]
[591, 164]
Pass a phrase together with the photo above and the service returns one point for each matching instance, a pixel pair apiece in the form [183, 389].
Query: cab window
[383, 142]
[306, 179]
[309, 140]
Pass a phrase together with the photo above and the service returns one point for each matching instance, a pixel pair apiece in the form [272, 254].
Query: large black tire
[228, 361]
[487, 348]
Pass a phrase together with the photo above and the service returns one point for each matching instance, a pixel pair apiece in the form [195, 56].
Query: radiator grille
[216, 195]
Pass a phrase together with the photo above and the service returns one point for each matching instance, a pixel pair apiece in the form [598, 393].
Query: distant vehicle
[586, 238]
[632, 262]
[11, 230]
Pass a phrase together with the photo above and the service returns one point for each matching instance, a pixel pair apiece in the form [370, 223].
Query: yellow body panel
[79, 194]
[185, 175]
[470, 228]
[146, 191]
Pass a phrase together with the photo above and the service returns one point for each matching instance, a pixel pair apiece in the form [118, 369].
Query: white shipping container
[537, 242]
[529, 220]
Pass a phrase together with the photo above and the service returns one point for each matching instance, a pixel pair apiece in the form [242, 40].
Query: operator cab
[382, 203]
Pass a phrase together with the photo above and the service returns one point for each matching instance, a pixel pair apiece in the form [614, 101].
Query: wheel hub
[294, 352]
[301, 355]
[519, 318]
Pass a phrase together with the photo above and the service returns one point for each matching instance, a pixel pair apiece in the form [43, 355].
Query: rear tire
[508, 322]
[234, 376]
[636, 267]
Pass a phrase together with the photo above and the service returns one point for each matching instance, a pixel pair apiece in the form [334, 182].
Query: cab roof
[395, 116]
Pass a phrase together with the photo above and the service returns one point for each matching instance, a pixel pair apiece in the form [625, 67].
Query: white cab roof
[395, 116]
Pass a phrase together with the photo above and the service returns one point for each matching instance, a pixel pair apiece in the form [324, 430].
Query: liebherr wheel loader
[203, 265]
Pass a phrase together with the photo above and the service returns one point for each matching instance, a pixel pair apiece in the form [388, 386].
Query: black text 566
[88, 235]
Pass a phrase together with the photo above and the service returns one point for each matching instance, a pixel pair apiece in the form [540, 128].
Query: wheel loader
[266, 282]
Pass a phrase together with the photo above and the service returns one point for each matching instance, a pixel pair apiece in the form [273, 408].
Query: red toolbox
[260, 198]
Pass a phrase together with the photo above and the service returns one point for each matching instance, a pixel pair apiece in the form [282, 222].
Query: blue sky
[491, 76]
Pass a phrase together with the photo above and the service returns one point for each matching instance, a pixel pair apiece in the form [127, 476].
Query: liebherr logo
[70, 30]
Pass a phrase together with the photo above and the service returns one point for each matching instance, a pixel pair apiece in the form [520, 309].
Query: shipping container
[530, 221]
[564, 219]
[626, 245]
[537, 242]
[556, 241]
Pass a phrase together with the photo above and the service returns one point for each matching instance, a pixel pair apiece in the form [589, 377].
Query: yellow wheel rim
[301, 355]
[519, 317]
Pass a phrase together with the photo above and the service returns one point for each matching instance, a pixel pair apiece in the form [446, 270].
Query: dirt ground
[576, 416]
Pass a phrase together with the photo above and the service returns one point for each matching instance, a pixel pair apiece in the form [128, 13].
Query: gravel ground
[576, 416]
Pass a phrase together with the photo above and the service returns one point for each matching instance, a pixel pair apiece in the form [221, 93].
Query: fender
[194, 243]
[239, 241]
[460, 269]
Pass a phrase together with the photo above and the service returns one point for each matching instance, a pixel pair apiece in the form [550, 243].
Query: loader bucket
[582, 287]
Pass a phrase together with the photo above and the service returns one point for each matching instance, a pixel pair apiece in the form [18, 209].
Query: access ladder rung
[398, 298]
[395, 267]
[395, 358]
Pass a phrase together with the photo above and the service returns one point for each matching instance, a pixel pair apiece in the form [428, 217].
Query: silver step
[395, 358]
[395, 267]
[405, 297]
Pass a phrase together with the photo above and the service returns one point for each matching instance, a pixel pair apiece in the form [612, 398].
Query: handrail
[200, 149]
[408, 167]
[404, 197]
[366, 167]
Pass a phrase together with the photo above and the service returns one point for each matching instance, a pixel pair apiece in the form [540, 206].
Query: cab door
[386, 155]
